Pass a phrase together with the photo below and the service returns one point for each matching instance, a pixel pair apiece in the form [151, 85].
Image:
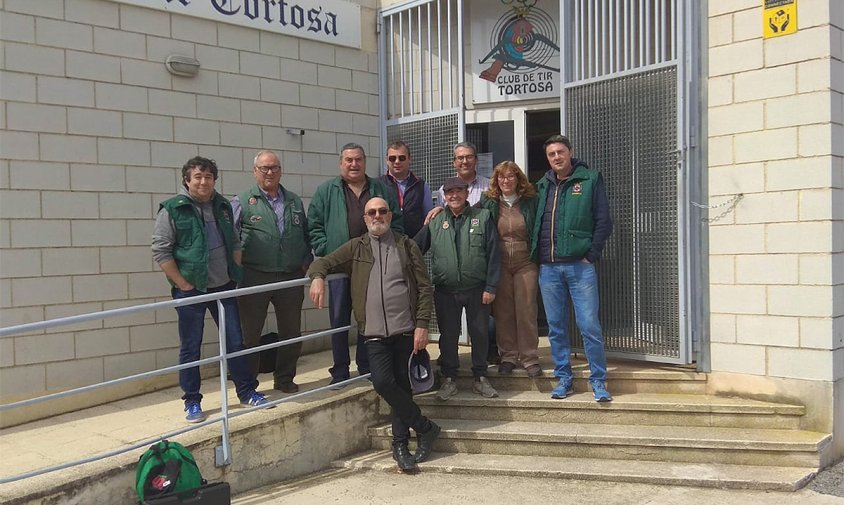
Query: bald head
[374, 203]
[377, 216]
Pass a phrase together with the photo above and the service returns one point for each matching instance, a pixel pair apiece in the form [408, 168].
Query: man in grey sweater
[391, 299]
[195, 246]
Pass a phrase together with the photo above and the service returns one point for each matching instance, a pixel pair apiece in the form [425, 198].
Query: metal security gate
[421, 82]
[622, 106]
[421, 85]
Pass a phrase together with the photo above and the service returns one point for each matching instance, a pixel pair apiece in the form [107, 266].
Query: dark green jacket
[468, 270]
[328, 219]
[191, 248]
[263, 248]
[355, 259]
[527, 206]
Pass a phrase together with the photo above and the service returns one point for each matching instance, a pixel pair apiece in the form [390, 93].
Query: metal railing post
[223, 452]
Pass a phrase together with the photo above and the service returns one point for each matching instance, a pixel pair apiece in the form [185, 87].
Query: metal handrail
[223, 453]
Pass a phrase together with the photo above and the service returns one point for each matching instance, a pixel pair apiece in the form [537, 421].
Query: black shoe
[425, 442]
[506, 368]
[493, 359]
[287, 387]
[403, 457]
[335, 383]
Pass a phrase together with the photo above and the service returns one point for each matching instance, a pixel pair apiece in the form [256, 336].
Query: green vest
[573, 223]
[264, 249]
[191, 248]
[469, 270]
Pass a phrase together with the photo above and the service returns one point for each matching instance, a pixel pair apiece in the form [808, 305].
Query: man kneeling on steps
[391, 299]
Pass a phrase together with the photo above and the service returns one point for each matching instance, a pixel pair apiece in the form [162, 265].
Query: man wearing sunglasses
[391, 296]
[270, 221]
[413, 194]
[335, 216]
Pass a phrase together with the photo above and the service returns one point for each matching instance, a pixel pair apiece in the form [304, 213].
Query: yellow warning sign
[779, 17]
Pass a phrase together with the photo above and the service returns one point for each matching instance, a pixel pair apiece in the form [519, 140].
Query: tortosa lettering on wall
[311, 18]
[332, 21]
[519, 84]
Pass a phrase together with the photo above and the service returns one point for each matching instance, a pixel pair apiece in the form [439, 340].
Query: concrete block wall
[93, 133]
[776, 135]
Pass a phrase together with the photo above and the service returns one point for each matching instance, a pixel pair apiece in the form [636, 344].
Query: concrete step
[689, 444]
[625, 409]
[711, 475]
[620, 380]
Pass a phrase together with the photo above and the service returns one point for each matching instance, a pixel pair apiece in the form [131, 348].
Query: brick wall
[93, 131]
[776, 134]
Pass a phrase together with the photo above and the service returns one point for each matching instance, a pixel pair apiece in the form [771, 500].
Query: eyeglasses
[468, 157]
[508, 177]
[400, 157]
[381, 212]
[269, 168]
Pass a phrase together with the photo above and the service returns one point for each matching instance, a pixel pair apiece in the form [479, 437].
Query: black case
[266, 361]
[216, 493]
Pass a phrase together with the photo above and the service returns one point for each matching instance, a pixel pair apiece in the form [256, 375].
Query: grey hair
[261, 153]
[467, 145]
[353, 145]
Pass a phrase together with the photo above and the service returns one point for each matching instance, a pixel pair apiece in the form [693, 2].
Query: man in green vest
[466, 266]
[572, 225]
[195, 246]
[273, 231]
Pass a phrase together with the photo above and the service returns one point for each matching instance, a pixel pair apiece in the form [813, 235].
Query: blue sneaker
[564, 388]
[256, 399]
[599, 389]
[194, 413]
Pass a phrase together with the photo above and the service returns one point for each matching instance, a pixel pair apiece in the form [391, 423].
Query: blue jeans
[556, 282]
[340, 314]
[191, 327]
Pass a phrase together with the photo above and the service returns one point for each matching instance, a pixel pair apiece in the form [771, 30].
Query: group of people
[492, 241]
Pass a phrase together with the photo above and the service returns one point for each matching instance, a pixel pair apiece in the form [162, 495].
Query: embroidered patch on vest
[254, 219]
[296, 220]
[445, 225]
[253, 200]
[577, 189]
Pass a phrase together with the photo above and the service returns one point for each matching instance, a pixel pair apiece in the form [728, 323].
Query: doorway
[539, 125]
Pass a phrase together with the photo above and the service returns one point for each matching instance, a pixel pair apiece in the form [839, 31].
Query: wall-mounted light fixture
[181, 65]
[295, 131]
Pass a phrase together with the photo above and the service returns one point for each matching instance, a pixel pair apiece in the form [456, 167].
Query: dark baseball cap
[454, 183]
[420, 372]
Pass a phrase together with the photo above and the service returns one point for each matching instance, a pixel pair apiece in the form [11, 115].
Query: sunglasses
[400, 157]
[381, 212]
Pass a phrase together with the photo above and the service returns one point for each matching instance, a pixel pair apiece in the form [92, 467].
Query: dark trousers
[340, 314]
[191, 327]
[449, 308]
[288, 315]
[388, 361]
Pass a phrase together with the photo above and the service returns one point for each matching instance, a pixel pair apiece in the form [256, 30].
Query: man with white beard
[391, 299]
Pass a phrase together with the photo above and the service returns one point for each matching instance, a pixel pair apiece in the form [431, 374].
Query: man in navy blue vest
[412, 193]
